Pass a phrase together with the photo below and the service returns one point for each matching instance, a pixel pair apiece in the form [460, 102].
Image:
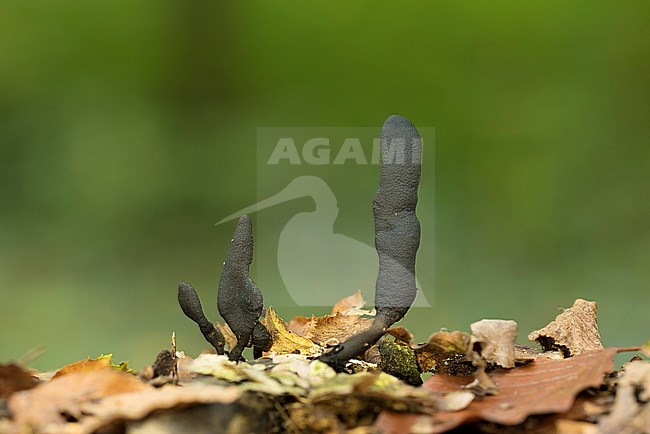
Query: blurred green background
[127, 129]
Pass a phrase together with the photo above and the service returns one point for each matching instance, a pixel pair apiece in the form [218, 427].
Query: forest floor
[478, 381]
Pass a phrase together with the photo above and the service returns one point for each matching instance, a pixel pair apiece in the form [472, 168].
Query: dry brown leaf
[543, 386]
[363, 392]
[86, 365]
[350, 304]
[14, 378]
[46, 404]
[229, 336]
[497, 340]
[631, 411]
[344, 322]
[284, 341]
[454, 342]
[137, 405]
[400, 333]
[299, 324]
[337, 327]
[574, 331]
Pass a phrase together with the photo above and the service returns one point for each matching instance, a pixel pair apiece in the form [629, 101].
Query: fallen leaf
[442, 342]
[378, 386]
[284, 341]
[497, 341]
[631, 411]
[543, 386]
[8, 427]
[251, 413]
[344, 322]
[301, 372]
[299, 324]
[86, 365]
[454, 342]
[402, 334]
[228, 335]
[49, 402]
[251, 376]
[573, 332]
[218, 366]
[14, 378]
[100, 363]
[338, 327]
[137, 405]
[350, 305]
[364, 393]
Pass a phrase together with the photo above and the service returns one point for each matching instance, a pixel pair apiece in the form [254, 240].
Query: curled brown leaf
[543, 386]
[573, 332]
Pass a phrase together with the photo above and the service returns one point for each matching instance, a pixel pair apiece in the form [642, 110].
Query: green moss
[399, 361]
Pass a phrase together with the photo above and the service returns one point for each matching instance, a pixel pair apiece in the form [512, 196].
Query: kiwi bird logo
[319, 267]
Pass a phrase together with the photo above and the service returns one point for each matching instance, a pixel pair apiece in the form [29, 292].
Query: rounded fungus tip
[190, 303]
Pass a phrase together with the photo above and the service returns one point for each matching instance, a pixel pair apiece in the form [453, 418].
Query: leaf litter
[481, 378]
[573, 332]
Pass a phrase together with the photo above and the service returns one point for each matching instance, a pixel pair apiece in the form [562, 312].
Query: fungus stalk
[239, 300]
[397, 236]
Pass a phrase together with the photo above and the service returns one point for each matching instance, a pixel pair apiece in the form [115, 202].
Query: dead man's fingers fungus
[239, 300]
[397, 235]
[397, 229]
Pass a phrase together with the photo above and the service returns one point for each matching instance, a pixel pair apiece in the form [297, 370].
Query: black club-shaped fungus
[397, 235]
[239, 300]
[397, 229]
[191, 305]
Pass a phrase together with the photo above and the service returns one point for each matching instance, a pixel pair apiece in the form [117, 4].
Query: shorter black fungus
[260, 340]
[191, 305]
[239, 300]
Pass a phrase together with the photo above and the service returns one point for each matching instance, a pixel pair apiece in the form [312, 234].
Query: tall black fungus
[397, 229]
[191, 305]
[239, 300]
[397, 235]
